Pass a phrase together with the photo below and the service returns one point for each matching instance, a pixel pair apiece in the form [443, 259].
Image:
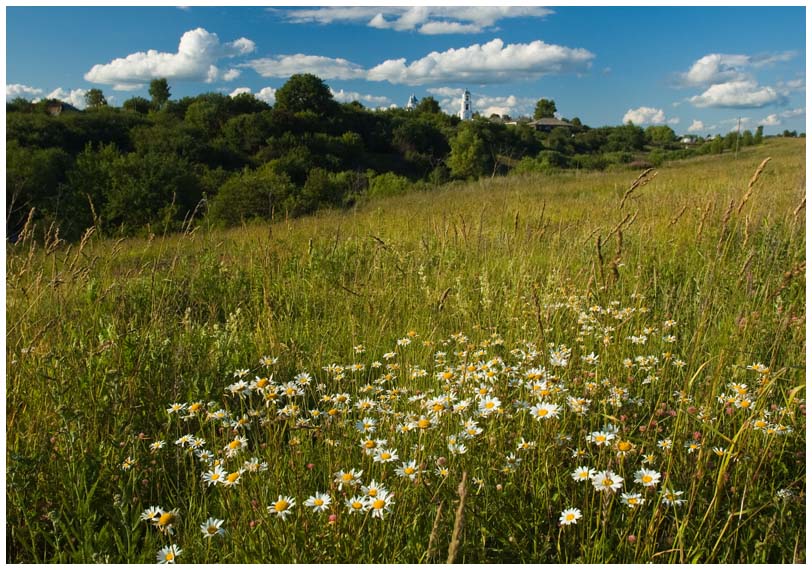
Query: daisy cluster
[426, 411]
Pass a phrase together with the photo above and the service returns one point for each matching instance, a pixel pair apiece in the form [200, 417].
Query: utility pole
[738, 130]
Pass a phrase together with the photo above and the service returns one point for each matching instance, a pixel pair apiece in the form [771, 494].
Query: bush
[388, 184]
[252, 194]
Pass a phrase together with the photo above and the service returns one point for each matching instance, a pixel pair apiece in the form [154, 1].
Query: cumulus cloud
[347, 96]
[673, 121]
[484, 63]
[696, 126]
[198, 53]
[231, 74]
[75, 97]
[717, 68]
[14, 90]
[771, 120]
[267, 94]
[738, 95]
[644, 116]
[324, 67]
[423, 19]
[485, 105]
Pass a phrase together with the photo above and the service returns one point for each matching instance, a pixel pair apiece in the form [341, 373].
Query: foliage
[545, 109]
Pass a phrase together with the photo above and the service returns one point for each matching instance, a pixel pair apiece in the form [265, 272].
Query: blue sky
[697, 69]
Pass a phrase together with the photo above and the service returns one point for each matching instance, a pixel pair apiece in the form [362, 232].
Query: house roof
[550, 122]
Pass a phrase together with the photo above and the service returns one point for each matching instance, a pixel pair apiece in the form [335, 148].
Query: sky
[697, 69]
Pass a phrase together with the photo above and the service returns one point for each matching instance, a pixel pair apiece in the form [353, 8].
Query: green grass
[104, 336]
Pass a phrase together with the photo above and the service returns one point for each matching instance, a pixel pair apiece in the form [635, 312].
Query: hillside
[104, 335]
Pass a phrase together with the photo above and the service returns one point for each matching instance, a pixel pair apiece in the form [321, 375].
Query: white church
[466, 110]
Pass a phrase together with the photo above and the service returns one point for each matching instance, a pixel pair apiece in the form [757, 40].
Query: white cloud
[346, 96]
[673, 121]
[717, 68]
[486, 63]
[324, 67]
[738, 94]
[423, 19]
[17, 90]
[510, 105]
[75, 97]
[127, 86]
[771, 120]
[231, 74]
[446, 91]
[794, 113]
[696, 126]
[644, 115]
[198, 52]
[267, 94]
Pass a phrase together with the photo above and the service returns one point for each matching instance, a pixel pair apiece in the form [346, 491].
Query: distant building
[466, 113]
[549, 123]
[412, 104]
[56, 108]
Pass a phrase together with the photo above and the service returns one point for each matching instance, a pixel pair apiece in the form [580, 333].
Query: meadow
[599, 367]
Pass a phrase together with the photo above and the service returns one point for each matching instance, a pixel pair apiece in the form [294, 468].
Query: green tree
[137, 105]
[661, 135]
[252, 194]
[428, 105]
[94, 99]
[545, 109]
[469, 155]
[159, 91]
[305, 92]
[747, 138]
[759, 136]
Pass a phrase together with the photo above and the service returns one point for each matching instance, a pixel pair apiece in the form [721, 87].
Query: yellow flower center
[424, 423]
[385, 456]
[570, 516]
[646, 478]
[607, 482]
[231, 477]
[318, 502]
[409, 470]
[600, 438]
[489, 405]
[234, 444]
[369, 444]
[357, 505]
[166, 519]
[745, 403]
[379, 504]
[346, 477]
[280, 506]
[169, 556]
[542, 412]
[215, 476]
[212, 529]
[372, 492]
[624, 446]
[448, 375]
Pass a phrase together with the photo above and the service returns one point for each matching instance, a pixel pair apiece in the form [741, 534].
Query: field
[574, 368]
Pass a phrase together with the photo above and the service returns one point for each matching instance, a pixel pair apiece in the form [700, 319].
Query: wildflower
[127, 464]
[233, 478]
[239, 388]
[303, 379]
[649, 458]
[268, 361]
[590, 359]
[665, 443]
[442, 471]
[488, 405]
[175, 408]
[204, 455]
[569, 516]
[212, 528]
[672, 498]
[373, 489]
[216, 475]
[367, 425]
[408, 469]
[632, 499]
[624, 447]
[692, 446]
[318, 502]
[606, 481]
[349, 478]
[254, 465]
[544, 410]
[385, 456]
[381, 505]
[457, 448]
[152, 514]
[582, 473]
[193, 409]
[719, 451]
[647, 477]
[167, 554]
[525, 445]
[166, 521]
[356, 504]
[600, 437]
[235, 446]
[282, 507]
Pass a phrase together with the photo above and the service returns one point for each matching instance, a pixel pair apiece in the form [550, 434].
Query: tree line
[154, 163]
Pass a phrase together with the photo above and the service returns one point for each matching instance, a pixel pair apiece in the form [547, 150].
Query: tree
[545, 109]
[660, 135]
[136, 105]
[747, 138]
[159, 91]
[428, 105]
[94, 99]
[759, 136]
[305, 92]
[469, 155]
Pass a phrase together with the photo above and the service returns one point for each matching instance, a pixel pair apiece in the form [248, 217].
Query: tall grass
[103, 336]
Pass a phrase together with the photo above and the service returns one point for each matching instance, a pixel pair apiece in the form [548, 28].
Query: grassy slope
[101, 338]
